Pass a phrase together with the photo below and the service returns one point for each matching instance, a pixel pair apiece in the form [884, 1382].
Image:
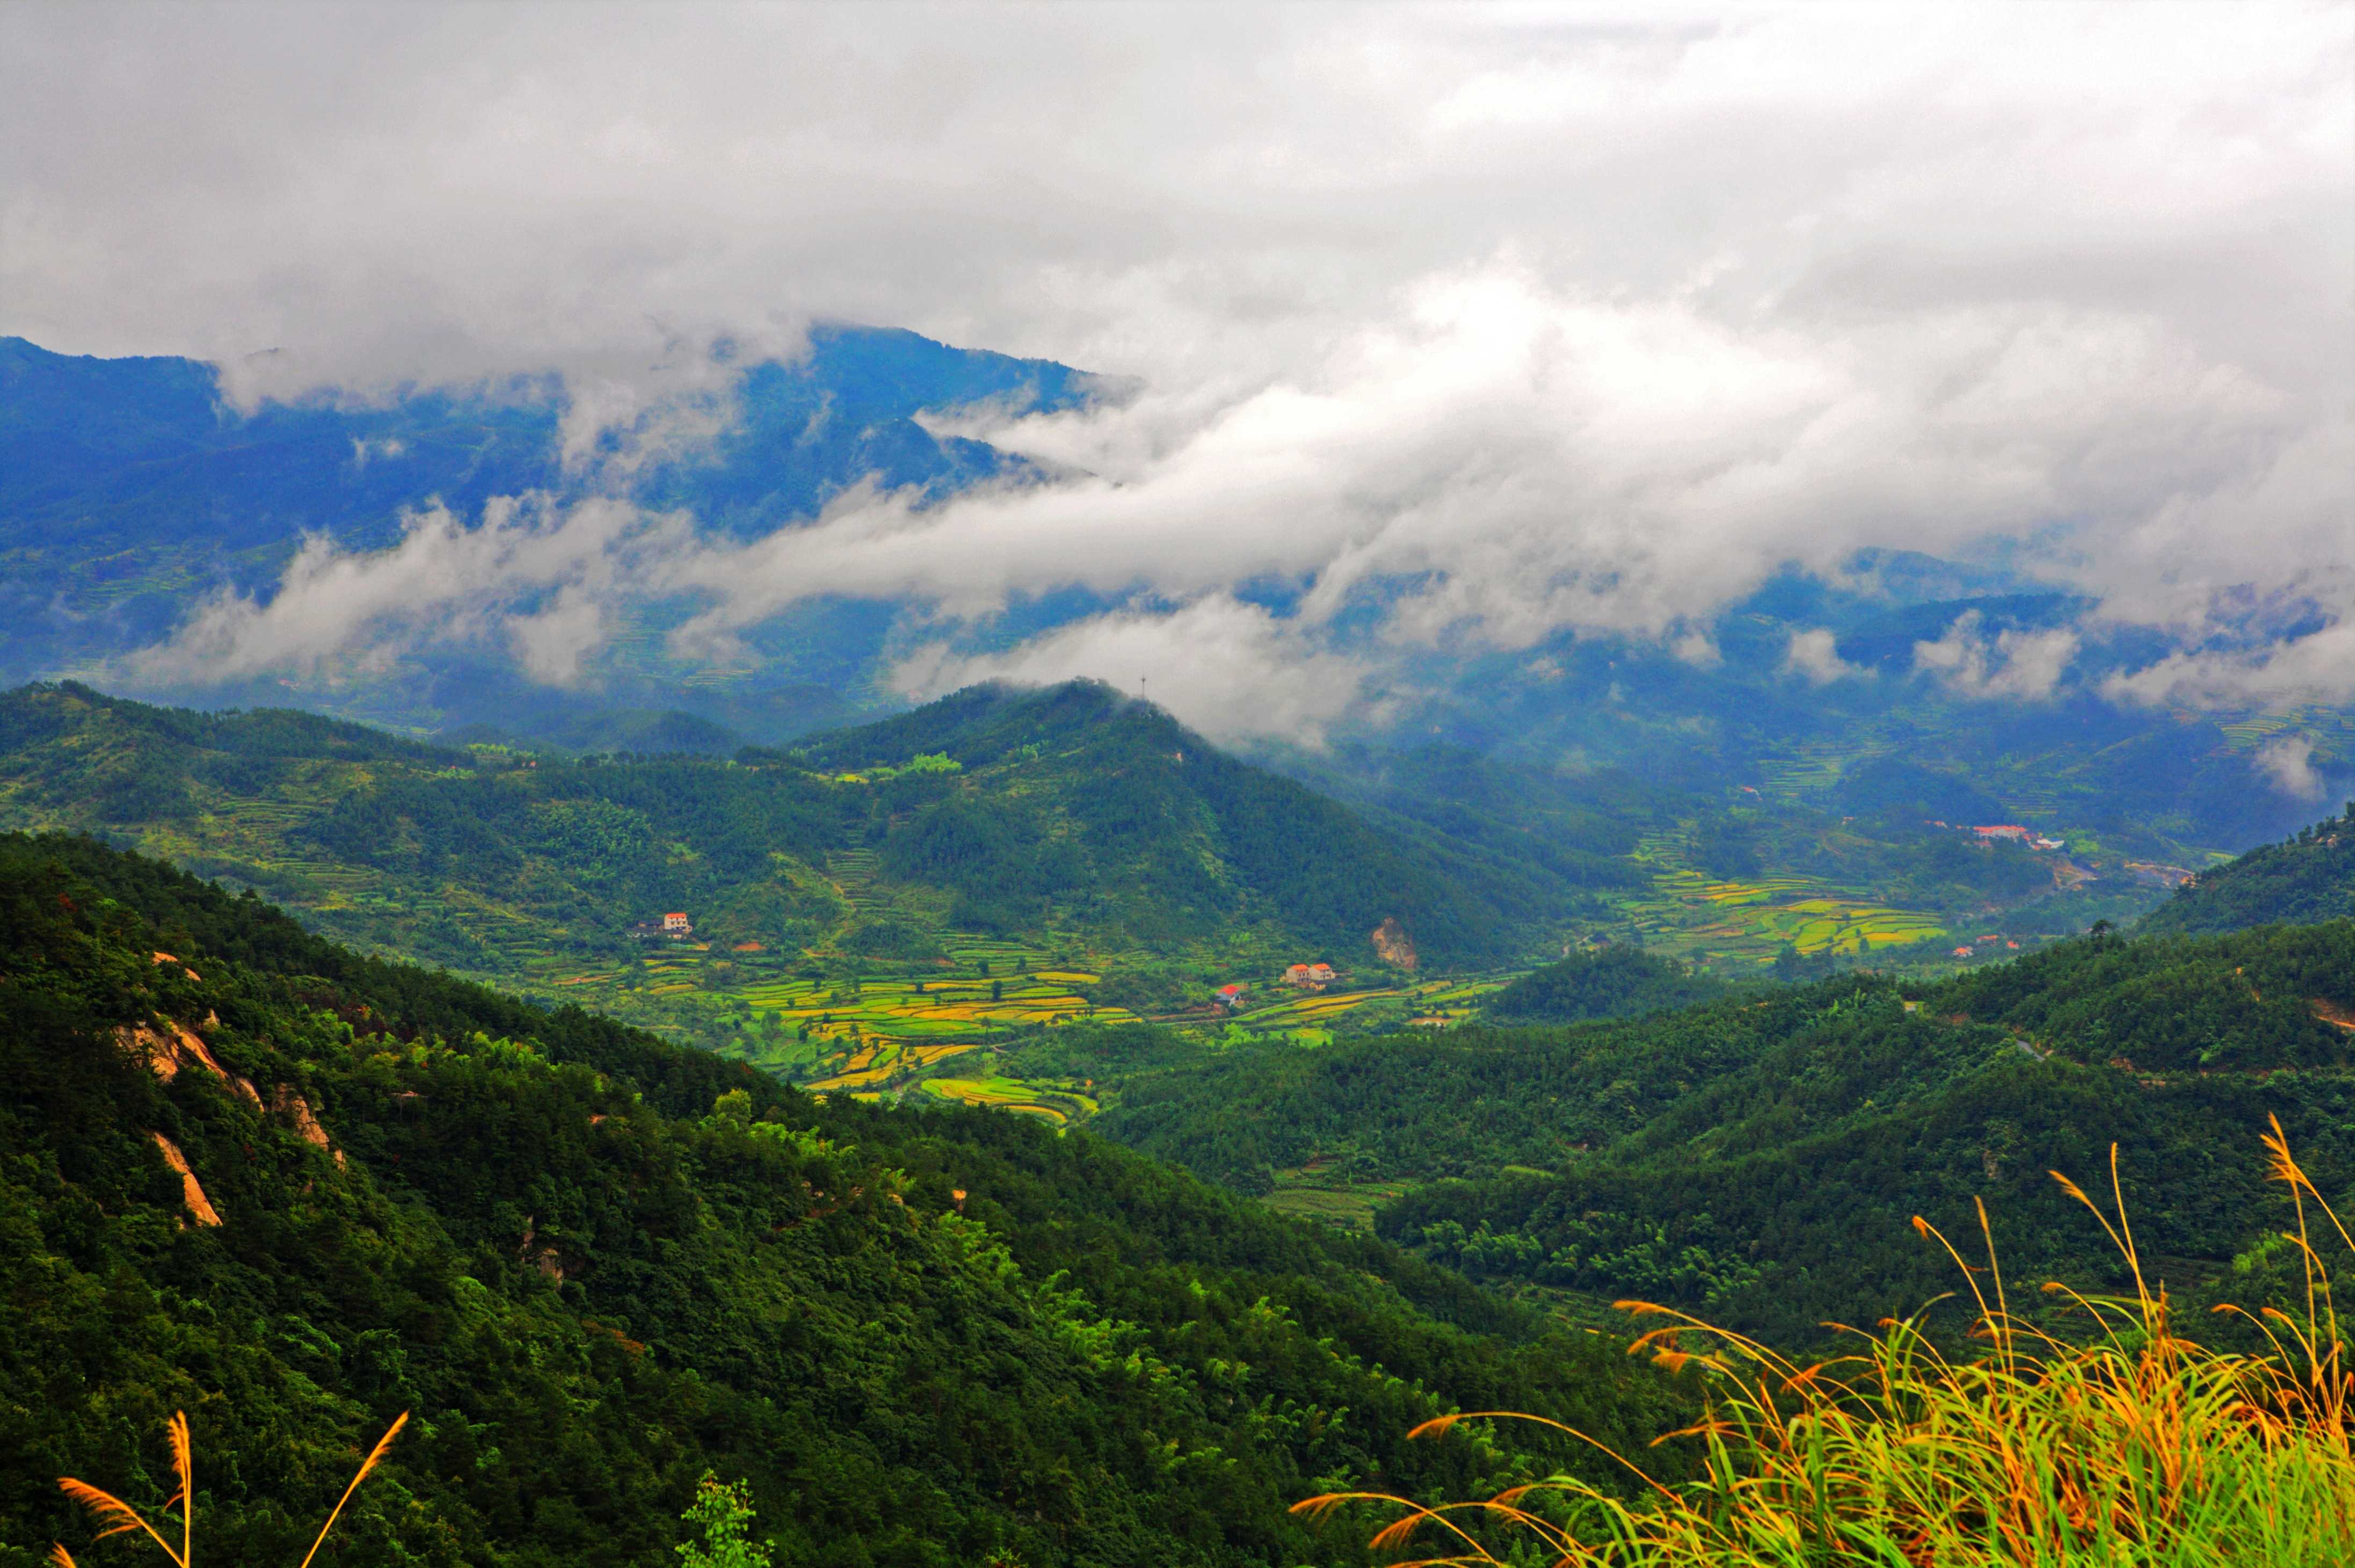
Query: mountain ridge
[1081, 812]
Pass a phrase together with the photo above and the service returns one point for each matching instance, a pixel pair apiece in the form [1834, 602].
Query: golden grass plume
[120, 1518]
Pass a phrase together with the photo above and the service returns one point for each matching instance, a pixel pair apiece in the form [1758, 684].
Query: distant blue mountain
[128, 487]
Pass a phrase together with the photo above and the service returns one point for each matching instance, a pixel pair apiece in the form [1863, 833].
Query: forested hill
[295, 1191]
[2307, 876]
[1761, 1158]
[998, 811]
[1192, 830]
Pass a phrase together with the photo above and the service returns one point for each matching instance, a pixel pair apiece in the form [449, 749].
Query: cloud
[1501, 321]
[2319, 666]
[1816, 655]
[2287, 764]
[1502, 463]
[529, 576]
[1230, 670]
[2025, 665]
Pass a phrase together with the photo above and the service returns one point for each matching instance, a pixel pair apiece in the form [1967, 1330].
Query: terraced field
[854, 1014]
[1818, 765]
[1322, 1191]
[1059, 1103]
[873, 1066]
[1308, 1016]
[1697, 916]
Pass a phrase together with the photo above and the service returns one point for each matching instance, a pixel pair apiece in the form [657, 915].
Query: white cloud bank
[1814, 653]
[1582, 317]
[2287, 764]
[541, 580]
[2026, 666]
[1230, 668]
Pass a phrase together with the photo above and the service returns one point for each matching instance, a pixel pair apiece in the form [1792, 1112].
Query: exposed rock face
[176, 1046]
[192, 1192]
[287, 1103]
[1390, 941]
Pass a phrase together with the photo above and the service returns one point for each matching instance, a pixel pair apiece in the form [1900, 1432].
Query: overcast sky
[1575, 317]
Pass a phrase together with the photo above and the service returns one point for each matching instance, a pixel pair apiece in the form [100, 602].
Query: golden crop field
[849, 1020]
[1052, 1101]
[1699, 916]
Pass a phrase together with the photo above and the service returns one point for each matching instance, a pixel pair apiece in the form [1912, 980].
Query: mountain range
[135, 493]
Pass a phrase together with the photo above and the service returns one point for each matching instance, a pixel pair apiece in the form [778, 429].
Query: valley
[919, 900]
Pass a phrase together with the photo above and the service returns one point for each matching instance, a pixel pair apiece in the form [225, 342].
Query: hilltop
[295, 1191]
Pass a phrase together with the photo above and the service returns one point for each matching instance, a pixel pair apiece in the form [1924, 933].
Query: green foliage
[2308, 877]
[720, 1514]
[1762, 1156]
[598, 1266]
[1615, 982]
[993, 811]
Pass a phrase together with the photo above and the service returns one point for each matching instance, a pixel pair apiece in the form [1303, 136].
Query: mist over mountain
[495, 561]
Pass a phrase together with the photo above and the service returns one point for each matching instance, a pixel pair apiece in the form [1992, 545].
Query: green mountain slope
[1761, 1158]
[1065, 819]
[1194, 838]
[295, 1191]
[2308, 877]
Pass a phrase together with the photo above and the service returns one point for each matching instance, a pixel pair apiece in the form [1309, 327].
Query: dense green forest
[296, 1190]
[1616, 982]
[1761, 1157]
[2310, 876]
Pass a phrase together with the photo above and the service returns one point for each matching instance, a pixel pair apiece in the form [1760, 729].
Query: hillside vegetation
[1760, 1157]
[295, 1191]
[1066, 817]
[2307, 876]
[1617, 982]
[2123, 1438]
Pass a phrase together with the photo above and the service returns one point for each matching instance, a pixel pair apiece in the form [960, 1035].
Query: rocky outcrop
[537, 1254]
[1392, 944]
[287, 1103]
[192, 1192]
[174, 1046]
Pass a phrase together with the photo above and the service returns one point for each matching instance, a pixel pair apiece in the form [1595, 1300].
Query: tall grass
[121, 1518]
[2131, 1445]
